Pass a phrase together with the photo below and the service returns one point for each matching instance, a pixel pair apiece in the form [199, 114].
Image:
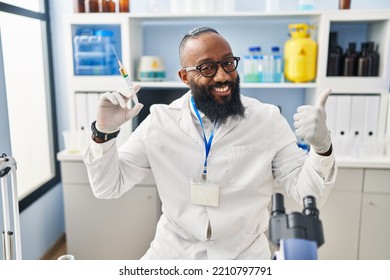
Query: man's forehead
[206, 44]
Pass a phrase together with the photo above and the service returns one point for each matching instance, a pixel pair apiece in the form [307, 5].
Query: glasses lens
[208, 69]
[229, 64]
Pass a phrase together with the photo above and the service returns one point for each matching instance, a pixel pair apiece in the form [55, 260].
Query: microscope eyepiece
[277, 204]
[310, 206]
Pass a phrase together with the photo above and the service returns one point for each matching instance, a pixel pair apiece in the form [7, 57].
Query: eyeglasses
[209, 69]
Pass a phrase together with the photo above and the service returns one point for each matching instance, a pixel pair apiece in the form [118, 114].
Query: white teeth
[222, 89]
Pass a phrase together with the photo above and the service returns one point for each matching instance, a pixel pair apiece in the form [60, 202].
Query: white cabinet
[375, 225]
[99, 229]
[340, 216]
[355, 217]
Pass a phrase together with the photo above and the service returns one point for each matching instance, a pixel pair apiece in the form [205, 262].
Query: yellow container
[300, 55]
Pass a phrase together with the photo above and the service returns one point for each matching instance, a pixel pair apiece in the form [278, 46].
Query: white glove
[310, 124]
[112, 111]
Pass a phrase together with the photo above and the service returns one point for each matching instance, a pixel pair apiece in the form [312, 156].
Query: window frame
[53, 181]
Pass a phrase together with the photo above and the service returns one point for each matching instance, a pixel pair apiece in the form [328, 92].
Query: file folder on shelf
[372, 106]
[343, 113]
[357, 125]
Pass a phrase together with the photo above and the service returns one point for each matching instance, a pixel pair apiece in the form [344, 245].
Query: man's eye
[207, 67]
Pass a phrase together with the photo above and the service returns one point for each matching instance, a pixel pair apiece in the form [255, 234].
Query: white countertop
[382, 162]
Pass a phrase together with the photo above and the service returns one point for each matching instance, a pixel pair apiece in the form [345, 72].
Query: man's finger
[323, 97]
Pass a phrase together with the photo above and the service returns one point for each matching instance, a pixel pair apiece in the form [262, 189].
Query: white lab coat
[246, 156]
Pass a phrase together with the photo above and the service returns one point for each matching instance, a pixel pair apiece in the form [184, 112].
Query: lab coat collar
[186, 123]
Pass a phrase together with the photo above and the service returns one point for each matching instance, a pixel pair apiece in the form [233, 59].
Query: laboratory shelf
[178, 84]
[363, 162]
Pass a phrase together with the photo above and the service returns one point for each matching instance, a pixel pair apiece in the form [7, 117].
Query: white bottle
[251, 65]
[266, 68]
[272, 5]
[275, 64]
[306, 5]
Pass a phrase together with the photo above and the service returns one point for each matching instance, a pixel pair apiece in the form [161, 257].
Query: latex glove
[310, 124]
[112, 111]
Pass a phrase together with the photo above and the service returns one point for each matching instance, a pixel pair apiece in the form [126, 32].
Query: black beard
[205, 102]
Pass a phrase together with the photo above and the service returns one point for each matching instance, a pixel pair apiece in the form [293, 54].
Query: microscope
[297, 235]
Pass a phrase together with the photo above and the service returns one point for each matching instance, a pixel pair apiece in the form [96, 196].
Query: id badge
[204, 193]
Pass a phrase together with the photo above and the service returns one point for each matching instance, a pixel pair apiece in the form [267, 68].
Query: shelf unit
[160, 34]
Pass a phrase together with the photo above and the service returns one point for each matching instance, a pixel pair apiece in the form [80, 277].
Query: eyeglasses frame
[199, 67]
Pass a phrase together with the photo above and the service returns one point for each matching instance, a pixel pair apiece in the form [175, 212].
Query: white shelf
[363, 162]
[168, 84]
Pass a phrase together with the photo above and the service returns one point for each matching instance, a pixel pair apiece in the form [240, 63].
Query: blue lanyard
[207, 143]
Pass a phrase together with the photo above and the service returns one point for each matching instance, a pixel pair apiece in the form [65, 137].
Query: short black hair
[194, 33]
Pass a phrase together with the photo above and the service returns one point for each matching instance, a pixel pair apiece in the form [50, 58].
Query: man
[214, 155]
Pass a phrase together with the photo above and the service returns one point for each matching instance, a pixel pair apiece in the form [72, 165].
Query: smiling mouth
[222, 89]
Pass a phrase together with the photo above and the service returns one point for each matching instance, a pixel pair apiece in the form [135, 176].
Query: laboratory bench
[355, 216]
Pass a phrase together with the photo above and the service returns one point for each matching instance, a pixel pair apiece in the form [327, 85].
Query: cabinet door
[375, 227]
[98, 229]
[340, 218]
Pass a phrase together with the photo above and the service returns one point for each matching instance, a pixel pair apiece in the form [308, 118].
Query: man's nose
[221, 74]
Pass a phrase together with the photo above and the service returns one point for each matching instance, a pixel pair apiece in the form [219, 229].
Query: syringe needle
[125, 75]
[117, 58]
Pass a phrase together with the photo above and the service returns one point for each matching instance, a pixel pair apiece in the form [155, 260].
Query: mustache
[218, 84]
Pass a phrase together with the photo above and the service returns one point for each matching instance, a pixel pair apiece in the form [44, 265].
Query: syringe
[125, 75]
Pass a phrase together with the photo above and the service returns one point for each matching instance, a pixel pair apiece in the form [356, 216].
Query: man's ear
[183, 74]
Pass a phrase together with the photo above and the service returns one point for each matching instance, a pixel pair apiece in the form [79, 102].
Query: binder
[343, 113]
[92, 103]
[357, 125]
[82, 121]
[372, 106]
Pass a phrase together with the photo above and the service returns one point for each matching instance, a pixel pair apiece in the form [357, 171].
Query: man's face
[218, 97]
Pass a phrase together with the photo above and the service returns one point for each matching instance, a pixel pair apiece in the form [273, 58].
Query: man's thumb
[323, 97]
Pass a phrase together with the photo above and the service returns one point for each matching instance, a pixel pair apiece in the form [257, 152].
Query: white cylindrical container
[177, 6]
[306, 5]
[207, 6]
[192, 6]
[272, 5]
[66, 258]
[226, 6]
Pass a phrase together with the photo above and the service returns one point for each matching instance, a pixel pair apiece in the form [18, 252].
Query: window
[28, 90]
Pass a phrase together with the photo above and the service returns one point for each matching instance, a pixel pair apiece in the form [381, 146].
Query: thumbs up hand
[310, 124]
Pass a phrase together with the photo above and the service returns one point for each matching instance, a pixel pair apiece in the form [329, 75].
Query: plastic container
[306, 5]
[93, 54]
[276, 71]
[252, 65]
[373, 55]
[350, 60]
[124, 6]
[335, 56]
[91, 6]
[108, 6]
[300, 55]
[78, 6]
